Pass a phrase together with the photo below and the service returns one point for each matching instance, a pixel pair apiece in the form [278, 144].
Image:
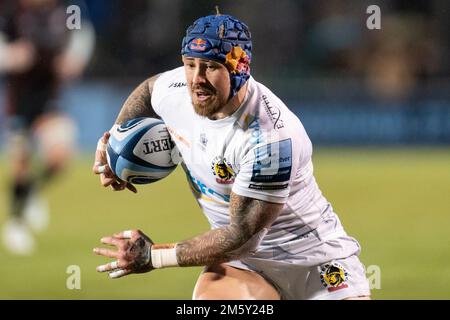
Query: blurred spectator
[37, 53]
[402, 56]
[309, 38]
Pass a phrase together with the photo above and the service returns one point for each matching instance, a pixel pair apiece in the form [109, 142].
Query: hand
[21, 56]
[101, 167]
[133, 254]
[68, 67]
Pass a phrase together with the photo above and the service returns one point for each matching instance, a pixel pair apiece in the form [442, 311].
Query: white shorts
[322, 264]
[335, 280]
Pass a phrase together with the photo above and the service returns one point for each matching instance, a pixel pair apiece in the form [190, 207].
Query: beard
[207, 108]
[208, 103]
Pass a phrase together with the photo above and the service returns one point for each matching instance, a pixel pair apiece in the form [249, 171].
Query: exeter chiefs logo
[223, 171]
[333, 276]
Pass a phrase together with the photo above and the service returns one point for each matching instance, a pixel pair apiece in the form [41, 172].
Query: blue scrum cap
[225, 39]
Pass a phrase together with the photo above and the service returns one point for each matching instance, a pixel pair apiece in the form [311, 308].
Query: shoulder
[169, 83]
[171, 80]
[265, 111]
[267, 121]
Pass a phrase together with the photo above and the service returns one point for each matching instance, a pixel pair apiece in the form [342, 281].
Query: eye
[211, 67]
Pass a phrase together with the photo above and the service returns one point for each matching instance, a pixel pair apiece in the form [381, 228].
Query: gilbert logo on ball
[140, 151]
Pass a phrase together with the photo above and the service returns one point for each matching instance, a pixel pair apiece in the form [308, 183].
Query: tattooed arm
[137, 253]
[248, 217]
[139, 103]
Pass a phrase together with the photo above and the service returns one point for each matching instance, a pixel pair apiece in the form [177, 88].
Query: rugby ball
[140, 151]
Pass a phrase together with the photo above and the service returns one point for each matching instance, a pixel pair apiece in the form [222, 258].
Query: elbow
[250, 245]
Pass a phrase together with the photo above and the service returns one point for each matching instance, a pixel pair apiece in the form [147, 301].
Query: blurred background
[375, 103]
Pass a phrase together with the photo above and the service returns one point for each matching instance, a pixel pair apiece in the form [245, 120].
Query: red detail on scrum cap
[198, 45]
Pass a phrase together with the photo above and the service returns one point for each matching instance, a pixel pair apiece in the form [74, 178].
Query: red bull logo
[198, 44]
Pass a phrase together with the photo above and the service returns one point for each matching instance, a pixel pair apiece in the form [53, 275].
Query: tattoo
[248, 217]
[139, 103]
[139, 252]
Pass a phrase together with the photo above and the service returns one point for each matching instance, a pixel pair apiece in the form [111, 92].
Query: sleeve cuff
[260, 196]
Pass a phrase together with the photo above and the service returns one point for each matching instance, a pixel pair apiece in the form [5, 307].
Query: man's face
[208, 83]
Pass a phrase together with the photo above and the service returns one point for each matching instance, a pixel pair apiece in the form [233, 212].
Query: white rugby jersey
[261, 151]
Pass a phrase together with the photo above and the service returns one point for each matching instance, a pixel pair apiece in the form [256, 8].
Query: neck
[232, 105]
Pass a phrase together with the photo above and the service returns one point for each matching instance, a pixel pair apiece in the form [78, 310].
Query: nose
[199, 75]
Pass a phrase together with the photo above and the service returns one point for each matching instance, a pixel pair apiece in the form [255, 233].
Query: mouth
[202, 95]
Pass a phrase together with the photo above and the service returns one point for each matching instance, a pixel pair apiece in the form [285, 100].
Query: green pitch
[395, 202]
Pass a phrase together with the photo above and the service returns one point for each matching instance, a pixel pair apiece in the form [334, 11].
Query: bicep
[139, 103]
[151, 82]
[250, 216]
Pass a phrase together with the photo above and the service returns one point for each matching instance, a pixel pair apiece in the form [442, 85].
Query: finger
[102, 167]
[128, 234]
[108, 267]
[101, 145]
[131, 187]
[106, 181]
[107, 177]
[106, 136]
[106, 253]
[110, 240]
[97, 162]
[119, 273]
[100, 156]
[118, 185]
[103, 141]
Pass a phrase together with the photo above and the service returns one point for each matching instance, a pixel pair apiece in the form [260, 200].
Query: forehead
[200, 60]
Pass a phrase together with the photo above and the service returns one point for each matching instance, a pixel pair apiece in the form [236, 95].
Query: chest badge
[203, 141]
[223, 171]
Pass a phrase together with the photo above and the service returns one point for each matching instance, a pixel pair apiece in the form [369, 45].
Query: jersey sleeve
[266, 170]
